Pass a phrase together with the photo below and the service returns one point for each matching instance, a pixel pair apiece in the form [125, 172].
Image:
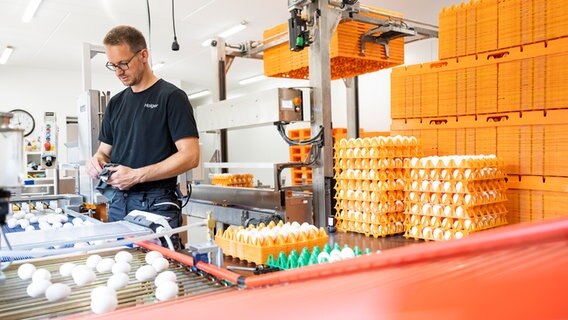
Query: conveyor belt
[16, 304]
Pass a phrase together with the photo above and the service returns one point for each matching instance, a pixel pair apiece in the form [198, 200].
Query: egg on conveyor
[103, 300]
[167, 290]
[93, 261]
[41, 274]
[29, 228]
[67, 225]
[83, 275]
[26, 270]
[33, 219]
[23, 223]
[150, 256]
[165, 276]
[12, 223]
[57, 291]
[121, 267]
[66, 269]
[105, 265]
[19, 215]
[117, 281]
[160, 264]
[37, 288]
[145, 273]
[123, 256]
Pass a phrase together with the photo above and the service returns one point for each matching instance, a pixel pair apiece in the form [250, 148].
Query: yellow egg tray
[453, 229]
[458, 211]
[376, 225]
[257, 249]
[369, 163]
[455, 174]
[345, 185]
[232, 180]
[369, 207]
[446, 162]
[461, 199]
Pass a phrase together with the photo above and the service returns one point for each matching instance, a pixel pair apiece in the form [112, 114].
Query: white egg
[323, 257]
[44, 226]
[63, 218]
[12, 223]
[150, 256]
[165, 276]
[66, 269]
[105, 265]
[37, 288]
[57, 291]
[43, 274]
[167, 290]
[145, 273]
[29, 228]
[57, 225]
[123, 256]
[117, 281]
[77, 221]
[347, 253]
[121, 267]
[34, 218]
[26, 270]
[103, 304]
[83, 275]
[19, 215]
[160, 264]
[93, 261]
[23, 223]
[67, 225]
[102, 291]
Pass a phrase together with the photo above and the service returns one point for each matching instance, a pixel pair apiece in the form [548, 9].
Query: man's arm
[185, 159]
[102, 156]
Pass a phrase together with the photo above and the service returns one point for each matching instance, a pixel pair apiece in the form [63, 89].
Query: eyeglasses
[123, 65]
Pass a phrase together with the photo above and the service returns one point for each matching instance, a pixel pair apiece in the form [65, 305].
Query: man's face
[128, 65]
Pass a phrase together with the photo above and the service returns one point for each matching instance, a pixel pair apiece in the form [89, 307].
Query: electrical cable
[190, 190]
[317, 139]
[149, 29]
[175, 44]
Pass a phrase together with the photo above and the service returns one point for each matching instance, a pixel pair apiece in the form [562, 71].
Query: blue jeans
[163, 202]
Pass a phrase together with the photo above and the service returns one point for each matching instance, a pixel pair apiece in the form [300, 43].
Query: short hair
[128, 35]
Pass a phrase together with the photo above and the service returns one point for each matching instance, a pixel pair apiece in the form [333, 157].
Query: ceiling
[54, 37]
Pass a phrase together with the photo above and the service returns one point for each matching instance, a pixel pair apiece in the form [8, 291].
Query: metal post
[352, 86]
[320, 80]
[219, 91]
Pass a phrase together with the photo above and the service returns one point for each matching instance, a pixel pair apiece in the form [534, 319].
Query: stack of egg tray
[255, 244]
[233, 180]
[346, 59]
[449, 197]
[370, 184]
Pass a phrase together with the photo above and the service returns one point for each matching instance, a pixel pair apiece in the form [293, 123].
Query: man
[148, 131]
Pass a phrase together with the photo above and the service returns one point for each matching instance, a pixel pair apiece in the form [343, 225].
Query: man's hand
[95, 165]
[123, 177]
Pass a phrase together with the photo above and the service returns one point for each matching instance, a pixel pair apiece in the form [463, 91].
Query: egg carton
[459, 211]
[440, 233]
[469, 224]
[370, 163]
[316, 256]
[256, 249]
[378, 196]
[461, 186]
[461, 161]
[344, 185]
[370, 207]
[371, 229]
[449, 174]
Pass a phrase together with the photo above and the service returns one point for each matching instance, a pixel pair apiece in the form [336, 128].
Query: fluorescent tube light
[199, 94]
[6, 54]
[250, 80]
[231, 31]
[30, 10]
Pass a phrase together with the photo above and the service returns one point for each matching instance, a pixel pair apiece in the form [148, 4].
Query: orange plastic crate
[345, 58]
[509, 16]
[487, 25]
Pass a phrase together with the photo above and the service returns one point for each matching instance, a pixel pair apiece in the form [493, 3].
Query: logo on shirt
[151, 105]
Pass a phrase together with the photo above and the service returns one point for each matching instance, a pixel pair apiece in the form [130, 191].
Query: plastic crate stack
[452, 196]
[245, 180]
[500, 88]
[369, 190]
[256, 244]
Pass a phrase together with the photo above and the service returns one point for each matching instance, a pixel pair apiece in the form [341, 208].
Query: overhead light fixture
[6, 54]
[30, 10]
[250, 80]
[158, 65]
[199, 94]
[231, 31]
[206, 43]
